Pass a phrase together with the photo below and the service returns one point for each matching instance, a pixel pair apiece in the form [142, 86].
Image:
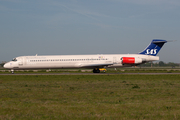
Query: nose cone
[7, 65]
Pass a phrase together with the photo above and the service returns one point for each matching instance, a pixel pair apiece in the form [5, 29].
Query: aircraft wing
[94, 65]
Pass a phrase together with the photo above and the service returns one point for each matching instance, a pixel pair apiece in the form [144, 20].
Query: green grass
[90, 97]
[109, 70]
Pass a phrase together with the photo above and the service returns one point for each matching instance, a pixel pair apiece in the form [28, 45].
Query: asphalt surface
[90, 74]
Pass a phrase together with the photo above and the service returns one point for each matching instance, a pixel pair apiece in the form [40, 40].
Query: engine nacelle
[131, 60]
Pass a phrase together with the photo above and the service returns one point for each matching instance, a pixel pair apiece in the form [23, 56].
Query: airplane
[94, 62]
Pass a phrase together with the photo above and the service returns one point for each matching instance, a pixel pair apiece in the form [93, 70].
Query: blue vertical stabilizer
[154, 47]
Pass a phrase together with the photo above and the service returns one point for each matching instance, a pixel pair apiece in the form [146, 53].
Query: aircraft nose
[7, 65]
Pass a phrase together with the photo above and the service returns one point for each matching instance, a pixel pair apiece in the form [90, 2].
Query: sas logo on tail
[151, 51]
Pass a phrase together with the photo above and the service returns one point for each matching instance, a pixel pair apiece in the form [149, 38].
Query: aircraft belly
[115, 65]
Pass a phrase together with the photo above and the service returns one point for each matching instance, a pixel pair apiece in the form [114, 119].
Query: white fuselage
[76, 61]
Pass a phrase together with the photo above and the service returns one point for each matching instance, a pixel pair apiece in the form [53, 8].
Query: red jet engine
[131, 60]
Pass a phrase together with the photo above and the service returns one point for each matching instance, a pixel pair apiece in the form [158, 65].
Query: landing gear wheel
[12, 71]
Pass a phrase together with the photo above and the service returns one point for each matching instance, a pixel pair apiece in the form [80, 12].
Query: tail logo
[154, 47]
[151, 51]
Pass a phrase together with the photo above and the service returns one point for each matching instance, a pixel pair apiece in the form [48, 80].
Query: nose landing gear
[12, 71]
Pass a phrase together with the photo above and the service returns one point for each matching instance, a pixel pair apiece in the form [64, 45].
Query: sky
[70, 27]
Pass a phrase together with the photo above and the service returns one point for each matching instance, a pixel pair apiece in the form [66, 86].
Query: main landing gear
[96, 70]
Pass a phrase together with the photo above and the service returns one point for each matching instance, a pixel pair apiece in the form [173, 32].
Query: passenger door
[20, 61]
[114, 60]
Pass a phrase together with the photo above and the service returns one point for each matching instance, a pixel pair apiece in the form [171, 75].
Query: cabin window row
[65, 60]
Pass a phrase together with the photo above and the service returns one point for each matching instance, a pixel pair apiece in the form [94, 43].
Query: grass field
[109, 70]
[82, 97]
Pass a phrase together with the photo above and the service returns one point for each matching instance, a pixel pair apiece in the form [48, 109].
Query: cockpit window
[14, 59]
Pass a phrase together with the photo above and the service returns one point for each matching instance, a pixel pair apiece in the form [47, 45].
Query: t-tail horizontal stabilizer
[154, 47]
